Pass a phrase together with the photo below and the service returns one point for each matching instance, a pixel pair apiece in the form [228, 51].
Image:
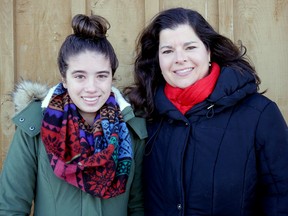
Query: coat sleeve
[272, 139]
[18, 177]
[135, 205]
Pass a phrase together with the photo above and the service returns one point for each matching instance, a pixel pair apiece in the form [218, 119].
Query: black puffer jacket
[228, 156]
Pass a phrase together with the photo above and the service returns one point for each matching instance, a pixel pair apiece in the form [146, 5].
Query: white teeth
[184, 71]
[89, 99]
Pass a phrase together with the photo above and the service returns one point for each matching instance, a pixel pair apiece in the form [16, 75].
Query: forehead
[178, 33]
[88, 62]
[87, 55]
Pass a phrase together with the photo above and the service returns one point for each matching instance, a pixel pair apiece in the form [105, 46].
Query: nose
[180, 57]
[90, 85]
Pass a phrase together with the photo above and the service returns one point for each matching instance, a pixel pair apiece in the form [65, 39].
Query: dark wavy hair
[89, 34]
[147, 72]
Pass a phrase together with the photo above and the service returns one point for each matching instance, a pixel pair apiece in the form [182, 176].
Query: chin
[183, 86]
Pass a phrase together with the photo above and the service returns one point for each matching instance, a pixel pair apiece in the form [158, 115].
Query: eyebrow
[105, 72]
[185, 44]
[97, 72]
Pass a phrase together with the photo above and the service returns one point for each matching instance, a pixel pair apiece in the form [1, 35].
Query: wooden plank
[46, 24]
[78, 7]
[207, 8]
[152, 7]
[226, 18]
[7, 68]
[127, 19]
[262, 27]
[33, 31]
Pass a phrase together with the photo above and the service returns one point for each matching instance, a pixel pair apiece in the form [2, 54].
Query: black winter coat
[228, 156]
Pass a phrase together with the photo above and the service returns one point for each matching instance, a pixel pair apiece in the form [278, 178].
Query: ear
[64, 82]
[209, 53]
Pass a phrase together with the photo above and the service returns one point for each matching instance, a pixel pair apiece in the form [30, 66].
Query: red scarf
[185, 99]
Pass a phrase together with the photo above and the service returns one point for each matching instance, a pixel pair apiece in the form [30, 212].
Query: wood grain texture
[126, 19]
[32, 32]
[7, 70]
[262, 26]
[152, 7]
[78, 7]
[226, 18]
[41, 27]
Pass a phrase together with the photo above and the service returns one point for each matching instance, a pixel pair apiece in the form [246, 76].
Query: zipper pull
[210, 112]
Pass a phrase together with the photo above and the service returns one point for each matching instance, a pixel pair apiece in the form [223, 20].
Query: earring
[209, 63]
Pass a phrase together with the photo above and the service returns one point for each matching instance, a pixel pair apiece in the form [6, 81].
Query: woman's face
[88, 82]
[183, 58]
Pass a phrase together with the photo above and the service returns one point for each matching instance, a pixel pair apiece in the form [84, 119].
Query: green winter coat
[27, 175]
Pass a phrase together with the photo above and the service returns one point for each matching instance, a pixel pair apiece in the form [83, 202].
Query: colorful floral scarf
[95, 159]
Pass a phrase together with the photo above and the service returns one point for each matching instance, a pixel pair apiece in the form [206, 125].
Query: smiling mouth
[183, 71]
[89, 99]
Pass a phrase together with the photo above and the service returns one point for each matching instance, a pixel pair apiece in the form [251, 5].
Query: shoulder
[236, 76]
[30, 118]
[136, 124]
[257, 101]
[267, 109]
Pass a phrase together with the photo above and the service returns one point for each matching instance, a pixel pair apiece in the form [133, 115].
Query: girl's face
[183, 57]
[88, 82]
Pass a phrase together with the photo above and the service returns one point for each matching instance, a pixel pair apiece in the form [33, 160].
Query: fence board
[78, 7]
[126, 21]
[262, 26]
[226, 18]
[7, 66]
[46, 24]
[152, 7]
[32, 31]
[207, 8]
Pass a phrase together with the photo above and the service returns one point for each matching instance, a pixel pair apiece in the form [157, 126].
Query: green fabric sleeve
[136, 202]
[18, 177]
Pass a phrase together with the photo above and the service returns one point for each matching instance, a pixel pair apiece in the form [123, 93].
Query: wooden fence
[31, 32]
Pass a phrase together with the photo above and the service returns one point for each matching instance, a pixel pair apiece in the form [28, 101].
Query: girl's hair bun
[93, 26]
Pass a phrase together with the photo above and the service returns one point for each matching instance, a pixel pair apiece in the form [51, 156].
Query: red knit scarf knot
[185, 99]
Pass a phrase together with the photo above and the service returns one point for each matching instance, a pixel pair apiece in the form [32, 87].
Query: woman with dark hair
[78, 147]
[215, 145]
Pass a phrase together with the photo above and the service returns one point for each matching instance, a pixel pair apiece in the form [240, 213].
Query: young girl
[74, 151]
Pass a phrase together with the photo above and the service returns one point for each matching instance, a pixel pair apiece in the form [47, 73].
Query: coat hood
[27, 91]
[232, 86]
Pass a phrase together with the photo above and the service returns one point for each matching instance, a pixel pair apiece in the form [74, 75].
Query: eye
[80, 76]
[190, 47]
[166, 51]
[102, 76]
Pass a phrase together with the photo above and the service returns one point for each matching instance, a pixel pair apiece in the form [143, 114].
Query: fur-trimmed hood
[27, 91]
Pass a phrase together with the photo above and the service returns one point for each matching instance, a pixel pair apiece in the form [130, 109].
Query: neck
[88, 117]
